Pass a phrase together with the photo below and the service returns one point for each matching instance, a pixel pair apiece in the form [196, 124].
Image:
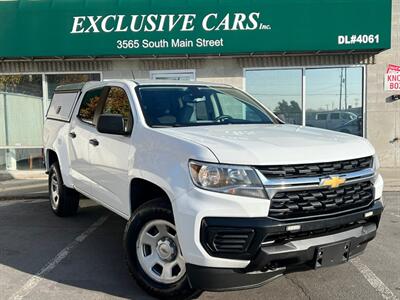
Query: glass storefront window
[55, 80]
[279, 90]
[21, 110]
[29, 159]
[333, 97]
[3, 165]
[22, 106]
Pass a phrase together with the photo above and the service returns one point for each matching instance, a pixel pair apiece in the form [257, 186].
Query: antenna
[133, 75]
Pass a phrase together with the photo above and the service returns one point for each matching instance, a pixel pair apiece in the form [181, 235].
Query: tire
[142, 240]
[64, 202]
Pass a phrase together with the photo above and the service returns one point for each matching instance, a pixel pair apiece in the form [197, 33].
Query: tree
[289, 112]
[117, 103]
[285, 108]
[22, 84]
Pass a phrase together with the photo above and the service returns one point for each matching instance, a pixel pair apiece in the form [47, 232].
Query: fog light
[293, 227]
[368, 214]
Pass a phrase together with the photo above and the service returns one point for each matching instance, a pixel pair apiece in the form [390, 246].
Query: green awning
[66, 28]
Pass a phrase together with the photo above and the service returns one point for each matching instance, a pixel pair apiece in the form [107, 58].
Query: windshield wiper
[162, 126]
[168, 126]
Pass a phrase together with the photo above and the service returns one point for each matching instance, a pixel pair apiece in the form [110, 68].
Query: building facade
[304, 76]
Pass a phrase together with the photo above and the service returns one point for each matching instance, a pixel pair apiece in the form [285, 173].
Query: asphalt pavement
[46, 257]
[36, 188]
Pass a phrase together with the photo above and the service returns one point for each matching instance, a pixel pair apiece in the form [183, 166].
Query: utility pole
[345, 88]
[341, 88]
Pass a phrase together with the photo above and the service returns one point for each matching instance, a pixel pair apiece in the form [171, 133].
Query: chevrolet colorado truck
[218, 193]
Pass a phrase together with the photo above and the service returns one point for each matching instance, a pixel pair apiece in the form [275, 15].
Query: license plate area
[333, 254]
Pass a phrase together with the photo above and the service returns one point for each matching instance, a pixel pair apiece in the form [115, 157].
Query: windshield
[178, 106]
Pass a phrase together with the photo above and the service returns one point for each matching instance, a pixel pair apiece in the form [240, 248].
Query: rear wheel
[153, 252]
[64, 201]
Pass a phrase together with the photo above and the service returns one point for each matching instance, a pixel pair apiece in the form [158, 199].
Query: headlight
[234, 180]
[376, 164]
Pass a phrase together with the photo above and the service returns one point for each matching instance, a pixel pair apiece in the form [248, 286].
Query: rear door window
[89, 104]
[335, 116]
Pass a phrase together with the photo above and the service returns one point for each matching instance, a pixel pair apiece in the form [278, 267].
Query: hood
[274, 144]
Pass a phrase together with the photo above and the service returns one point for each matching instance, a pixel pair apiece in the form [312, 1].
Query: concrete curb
[16, 175]
[25, 197]
[392, 189]
[5, 177]
[23, 189]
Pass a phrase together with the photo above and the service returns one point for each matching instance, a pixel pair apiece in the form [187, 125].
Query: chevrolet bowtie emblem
[332, 182]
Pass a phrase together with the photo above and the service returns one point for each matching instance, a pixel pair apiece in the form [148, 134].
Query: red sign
[392, 78]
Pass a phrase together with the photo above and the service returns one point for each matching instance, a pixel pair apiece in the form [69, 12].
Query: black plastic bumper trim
[274, 261]
[219, 279]
[293, 255]
[267, 226]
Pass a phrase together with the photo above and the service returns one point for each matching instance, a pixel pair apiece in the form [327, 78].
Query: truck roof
[73, 87]
[76, 87]
[177, 82]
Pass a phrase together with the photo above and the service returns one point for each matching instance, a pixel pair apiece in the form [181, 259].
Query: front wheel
[153, 252]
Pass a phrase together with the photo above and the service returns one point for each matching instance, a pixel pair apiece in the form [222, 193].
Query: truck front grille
[305, 203]
[317, 169]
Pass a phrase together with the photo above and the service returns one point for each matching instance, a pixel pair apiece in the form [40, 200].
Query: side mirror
[111, 124]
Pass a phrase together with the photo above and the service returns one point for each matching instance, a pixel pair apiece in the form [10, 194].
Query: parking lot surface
[46, 257]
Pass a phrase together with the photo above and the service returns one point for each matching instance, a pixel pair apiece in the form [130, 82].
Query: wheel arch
[142, 191]
[60, 156]
[50, 158]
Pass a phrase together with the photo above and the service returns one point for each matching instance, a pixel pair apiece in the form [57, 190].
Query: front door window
[117, 102]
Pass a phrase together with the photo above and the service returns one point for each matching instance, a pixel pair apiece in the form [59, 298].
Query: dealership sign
[392, 78]
[191, 27]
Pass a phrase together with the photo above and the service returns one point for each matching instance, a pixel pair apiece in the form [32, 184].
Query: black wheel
[64, 201]
[153, 252]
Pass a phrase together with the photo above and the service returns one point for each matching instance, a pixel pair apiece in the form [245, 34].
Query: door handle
[94, 142]
[72, 134]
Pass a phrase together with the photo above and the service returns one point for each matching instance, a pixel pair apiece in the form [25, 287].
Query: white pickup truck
[219, 194]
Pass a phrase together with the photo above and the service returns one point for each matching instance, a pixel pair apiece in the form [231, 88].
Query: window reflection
[89, 105]
[30, 85]
[2, 159]
[334, 99]
[117, 103]
[333, 96]
[29, 159]
[279, 90]
[59, 79]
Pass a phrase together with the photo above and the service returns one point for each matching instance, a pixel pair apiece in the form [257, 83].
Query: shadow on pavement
[31, 235]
